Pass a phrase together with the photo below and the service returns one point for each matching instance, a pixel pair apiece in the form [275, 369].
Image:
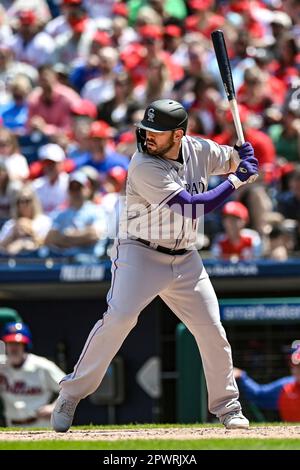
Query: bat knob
[253, 178]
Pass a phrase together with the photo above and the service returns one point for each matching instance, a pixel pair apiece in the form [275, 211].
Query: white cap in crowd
[51, 152]
[79, 177]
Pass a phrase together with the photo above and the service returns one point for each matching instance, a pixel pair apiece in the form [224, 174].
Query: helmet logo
[150, 115]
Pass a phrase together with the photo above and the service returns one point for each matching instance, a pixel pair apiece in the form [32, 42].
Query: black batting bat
[226, 74]
[225, 71]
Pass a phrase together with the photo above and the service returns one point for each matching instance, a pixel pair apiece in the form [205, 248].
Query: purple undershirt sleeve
[195, 206]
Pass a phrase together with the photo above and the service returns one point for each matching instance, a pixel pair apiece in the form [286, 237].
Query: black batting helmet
[160, 116]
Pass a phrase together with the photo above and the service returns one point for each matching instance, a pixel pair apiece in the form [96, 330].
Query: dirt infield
[258, 432]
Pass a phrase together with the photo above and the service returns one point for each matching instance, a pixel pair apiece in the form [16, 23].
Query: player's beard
[163, 150]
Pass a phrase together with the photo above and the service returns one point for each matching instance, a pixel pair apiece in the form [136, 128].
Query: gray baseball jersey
[153, 181]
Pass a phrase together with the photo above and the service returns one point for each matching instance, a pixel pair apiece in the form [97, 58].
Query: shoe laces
[233, 414]
[67, 407]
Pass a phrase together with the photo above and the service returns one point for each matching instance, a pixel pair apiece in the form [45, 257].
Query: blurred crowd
[75, 75]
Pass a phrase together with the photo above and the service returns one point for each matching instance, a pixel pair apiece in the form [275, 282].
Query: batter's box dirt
[257, 432]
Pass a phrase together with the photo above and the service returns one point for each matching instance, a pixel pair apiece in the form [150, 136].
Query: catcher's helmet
[16, 332]
[160, 116]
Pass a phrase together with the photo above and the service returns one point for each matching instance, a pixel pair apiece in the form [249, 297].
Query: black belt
[162, 249]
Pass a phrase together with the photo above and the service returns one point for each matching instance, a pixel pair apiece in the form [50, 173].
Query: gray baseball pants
[139, 274]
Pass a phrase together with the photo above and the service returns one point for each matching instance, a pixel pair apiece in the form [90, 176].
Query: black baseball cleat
[63, 414]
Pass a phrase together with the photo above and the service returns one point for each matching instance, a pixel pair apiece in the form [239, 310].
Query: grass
[203, 444]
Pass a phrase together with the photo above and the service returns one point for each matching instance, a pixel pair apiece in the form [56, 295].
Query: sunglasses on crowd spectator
[75, 186]
[150, 41]
[75, 13]
[24, 200]
[119, 83]
[193, 56]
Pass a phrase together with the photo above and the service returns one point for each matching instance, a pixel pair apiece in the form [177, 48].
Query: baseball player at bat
[155, 254]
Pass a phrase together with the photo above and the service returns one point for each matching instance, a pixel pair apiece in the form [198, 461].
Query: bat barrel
[223, 62]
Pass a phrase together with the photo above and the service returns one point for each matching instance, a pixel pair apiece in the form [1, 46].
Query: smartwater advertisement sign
[281, 309]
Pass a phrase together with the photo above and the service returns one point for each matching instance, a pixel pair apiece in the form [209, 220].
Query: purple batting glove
[246, 151]
[247, 168]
